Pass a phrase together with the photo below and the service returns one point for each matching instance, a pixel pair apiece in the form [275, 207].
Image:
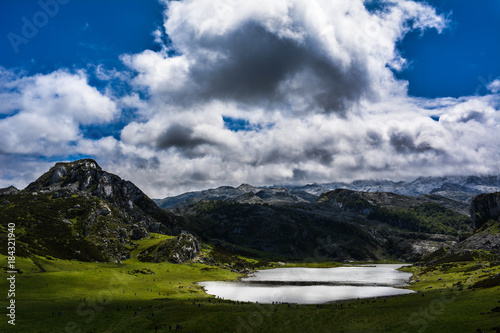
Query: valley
[95, 254]
[69, 296]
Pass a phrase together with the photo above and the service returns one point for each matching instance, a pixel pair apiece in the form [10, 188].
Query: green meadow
[54, 295]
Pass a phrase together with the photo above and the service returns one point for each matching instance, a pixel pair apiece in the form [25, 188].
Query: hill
[341, 225]
[77, 210]
[484, 243]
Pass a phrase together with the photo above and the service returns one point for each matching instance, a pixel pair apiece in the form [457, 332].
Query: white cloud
[494, 86]
[313, 79]
[45, 112]
[333, 54]
[394, 142]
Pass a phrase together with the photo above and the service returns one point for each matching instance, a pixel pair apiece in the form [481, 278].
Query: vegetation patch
[141, 271]
[427, 217]
[105, 297]
[489, 282]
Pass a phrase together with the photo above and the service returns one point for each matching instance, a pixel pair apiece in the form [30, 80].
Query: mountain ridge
[362, 226]
[459, 188]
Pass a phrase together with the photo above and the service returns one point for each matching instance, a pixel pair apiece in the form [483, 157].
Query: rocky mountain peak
[246, 188]
[86, 163]
[86, 178]
[78, 174]
[11, 190]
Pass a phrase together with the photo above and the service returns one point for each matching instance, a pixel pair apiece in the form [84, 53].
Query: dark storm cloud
[473, 115]
[257, 62]
[199, 176]
[321, 155]
[311, 153]
[403, 143]
[181, 137]
[299, 175]
[144, 163]
[373, 138]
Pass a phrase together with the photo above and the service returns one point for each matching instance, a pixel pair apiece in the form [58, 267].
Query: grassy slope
[79, 289]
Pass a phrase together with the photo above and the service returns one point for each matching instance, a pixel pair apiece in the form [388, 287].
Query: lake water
[313, 285]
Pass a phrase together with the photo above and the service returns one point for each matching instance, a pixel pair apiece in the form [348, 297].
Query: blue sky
[450, 64]
[458, 61]
[81, 33]
[193, 94]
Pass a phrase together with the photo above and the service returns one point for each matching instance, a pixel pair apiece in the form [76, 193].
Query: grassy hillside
[71, 296]
[55, 227]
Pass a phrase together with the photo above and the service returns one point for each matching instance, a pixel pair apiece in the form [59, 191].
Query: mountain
[243, 194]
[77, 210]
[86, 178]
[458, 188]
[483, 244]
[341, 225]
[462, 188]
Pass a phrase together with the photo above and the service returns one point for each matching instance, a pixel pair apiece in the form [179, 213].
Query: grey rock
[180, 249]
[485, 207]
[11, 190]
[86, 178]
[138, 233]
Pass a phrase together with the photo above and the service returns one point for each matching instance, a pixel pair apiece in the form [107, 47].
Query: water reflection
[313, 285]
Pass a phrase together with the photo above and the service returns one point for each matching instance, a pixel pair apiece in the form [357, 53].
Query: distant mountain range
[453, 187]
[243, 194]
[459, 188]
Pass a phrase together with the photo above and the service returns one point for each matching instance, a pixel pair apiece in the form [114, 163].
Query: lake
[313, 285]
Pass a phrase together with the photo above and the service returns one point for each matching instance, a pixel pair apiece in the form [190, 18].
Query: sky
[187, 95]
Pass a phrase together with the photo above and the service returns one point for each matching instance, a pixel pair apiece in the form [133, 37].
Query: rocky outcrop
[484, 244]
[11, 190]
[484, 240]
[485, 207]
[176, 250]
[485, 212]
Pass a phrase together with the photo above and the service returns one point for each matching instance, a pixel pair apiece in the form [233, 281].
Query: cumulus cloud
[316, 80]
[310, 56]
[312, 80]
[494, 86]
[44, 112]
